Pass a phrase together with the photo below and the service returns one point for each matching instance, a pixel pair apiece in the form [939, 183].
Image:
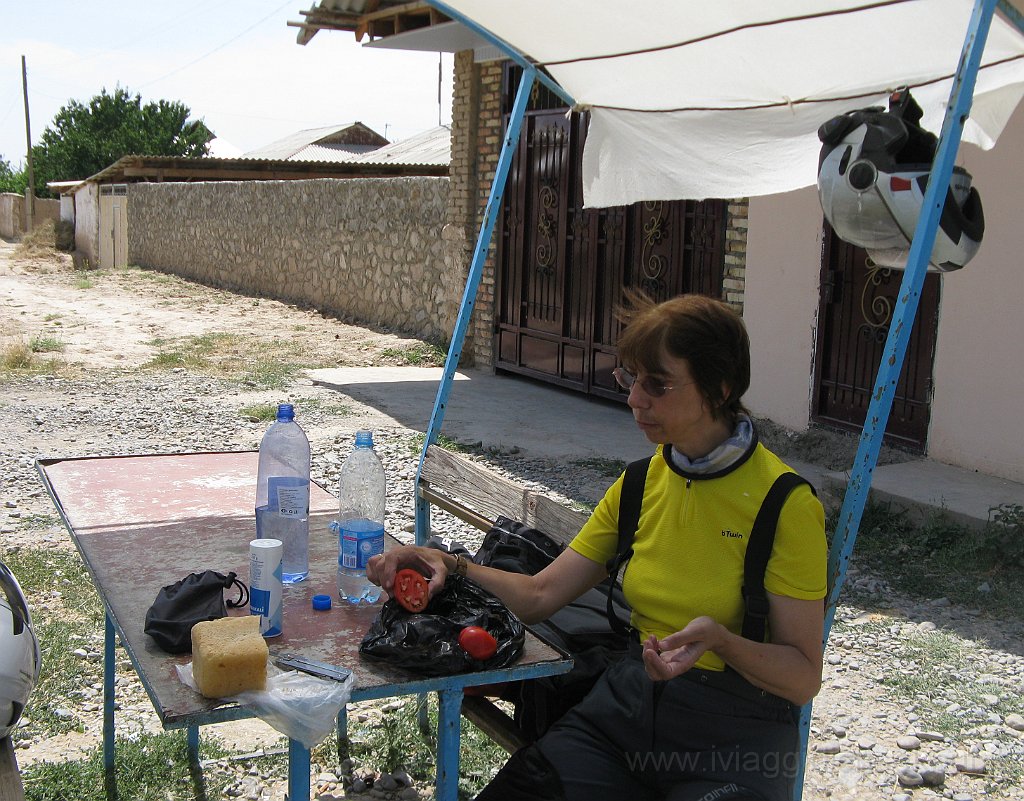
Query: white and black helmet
[872, 173]
[19, 652]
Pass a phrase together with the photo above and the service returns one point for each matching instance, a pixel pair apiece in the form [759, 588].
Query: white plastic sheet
[692, 99]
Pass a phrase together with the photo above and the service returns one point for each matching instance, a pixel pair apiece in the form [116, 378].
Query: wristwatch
[461, 565]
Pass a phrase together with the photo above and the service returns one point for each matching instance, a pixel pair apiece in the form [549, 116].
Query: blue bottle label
[289, 496]
[360, 540]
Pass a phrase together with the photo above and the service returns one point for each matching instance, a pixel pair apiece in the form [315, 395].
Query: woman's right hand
[430, 562]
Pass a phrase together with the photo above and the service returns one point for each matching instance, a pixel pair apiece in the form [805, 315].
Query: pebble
[971, 764]
[908, 743]
[908, 777]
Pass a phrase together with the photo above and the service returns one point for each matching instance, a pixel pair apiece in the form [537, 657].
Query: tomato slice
[478, 642]
[411, 590]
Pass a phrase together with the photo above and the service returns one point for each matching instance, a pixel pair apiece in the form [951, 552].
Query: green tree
[85, 138]
[12, 180]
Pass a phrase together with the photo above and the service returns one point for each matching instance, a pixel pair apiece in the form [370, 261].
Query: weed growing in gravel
[270, 373]
[396, 742]
[264, 364]
[18, 356]
[81, 282]
[422, 354]
[46, 345]
[444, 441]
[37, 521]
[259, 412]
[607, 467]
[154, 767]
[940, 557]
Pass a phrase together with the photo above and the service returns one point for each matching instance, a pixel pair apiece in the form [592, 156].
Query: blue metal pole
[192, 743]
[502, 45]
[957, 112]
[109, 670]
[476, 269]
[298, 771]
[449, 702]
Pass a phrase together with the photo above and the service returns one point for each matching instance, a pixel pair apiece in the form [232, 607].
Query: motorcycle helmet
[19, 652]
[872, 173]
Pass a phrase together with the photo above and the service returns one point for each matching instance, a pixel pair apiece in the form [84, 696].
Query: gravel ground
[920, 699]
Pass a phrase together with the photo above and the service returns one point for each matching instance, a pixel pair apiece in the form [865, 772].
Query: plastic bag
[427, 642]
[303, 707]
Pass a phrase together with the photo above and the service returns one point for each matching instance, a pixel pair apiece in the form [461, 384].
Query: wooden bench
[10, 778]
[478, 496]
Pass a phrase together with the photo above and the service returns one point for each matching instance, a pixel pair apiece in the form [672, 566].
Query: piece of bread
[228, 656]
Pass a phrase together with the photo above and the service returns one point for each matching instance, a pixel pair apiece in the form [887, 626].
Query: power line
[218, 47]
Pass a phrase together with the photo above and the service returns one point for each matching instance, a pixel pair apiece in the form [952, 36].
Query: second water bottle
[361, 496]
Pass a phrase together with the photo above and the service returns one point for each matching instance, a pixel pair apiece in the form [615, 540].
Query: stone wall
[369, 249]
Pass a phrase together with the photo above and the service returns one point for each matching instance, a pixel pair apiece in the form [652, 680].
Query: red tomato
[478, 643]
[410, 589]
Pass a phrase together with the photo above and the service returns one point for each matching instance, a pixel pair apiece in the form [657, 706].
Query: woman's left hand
[675, 654]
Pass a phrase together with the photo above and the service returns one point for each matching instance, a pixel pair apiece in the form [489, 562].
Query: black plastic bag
[427, 642]
[179, 606]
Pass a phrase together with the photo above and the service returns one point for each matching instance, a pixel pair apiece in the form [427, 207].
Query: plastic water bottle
[361, 494]
[282, 492]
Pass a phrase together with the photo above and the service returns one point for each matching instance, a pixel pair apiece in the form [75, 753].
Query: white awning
[693, 99]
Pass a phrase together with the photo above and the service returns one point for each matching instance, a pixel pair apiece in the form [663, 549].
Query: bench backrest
[476, 495]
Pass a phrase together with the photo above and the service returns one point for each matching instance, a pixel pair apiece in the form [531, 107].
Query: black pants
[705, 736]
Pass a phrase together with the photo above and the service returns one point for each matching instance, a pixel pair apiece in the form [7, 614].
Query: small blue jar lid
[321, 602]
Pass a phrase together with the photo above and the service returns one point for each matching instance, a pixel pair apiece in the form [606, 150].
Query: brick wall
[476, 143]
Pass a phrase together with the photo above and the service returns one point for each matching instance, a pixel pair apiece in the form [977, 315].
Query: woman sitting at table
[697, 711]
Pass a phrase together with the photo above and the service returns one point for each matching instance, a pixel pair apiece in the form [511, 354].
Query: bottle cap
[321, 602]
[285, 411]
[364, 439]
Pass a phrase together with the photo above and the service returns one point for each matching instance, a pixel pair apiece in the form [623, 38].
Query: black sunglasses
[651, 386]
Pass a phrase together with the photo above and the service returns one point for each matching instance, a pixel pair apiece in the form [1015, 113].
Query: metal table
[141, 522]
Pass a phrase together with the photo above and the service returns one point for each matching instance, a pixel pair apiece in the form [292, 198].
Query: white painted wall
[781, 303]
[978, 403]
[978, 374]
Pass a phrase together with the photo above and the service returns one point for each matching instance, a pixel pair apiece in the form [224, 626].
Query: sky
[235, 63]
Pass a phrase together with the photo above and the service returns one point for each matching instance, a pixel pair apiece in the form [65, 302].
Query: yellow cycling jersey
[691, 540]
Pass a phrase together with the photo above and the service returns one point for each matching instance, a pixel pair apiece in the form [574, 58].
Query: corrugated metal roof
[288, 146]
[433, 146]
[333, 153]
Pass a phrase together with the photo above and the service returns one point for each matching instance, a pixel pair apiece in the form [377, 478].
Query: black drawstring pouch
[179, 606]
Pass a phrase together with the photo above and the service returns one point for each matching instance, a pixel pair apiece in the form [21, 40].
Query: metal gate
[561, 268]
[856, 308]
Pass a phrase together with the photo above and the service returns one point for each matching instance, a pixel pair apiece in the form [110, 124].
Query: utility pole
[30, 195]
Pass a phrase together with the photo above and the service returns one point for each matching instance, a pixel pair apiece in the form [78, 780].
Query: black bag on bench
[580, 629]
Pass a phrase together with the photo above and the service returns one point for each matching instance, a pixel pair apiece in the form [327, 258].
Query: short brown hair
[702, 330]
